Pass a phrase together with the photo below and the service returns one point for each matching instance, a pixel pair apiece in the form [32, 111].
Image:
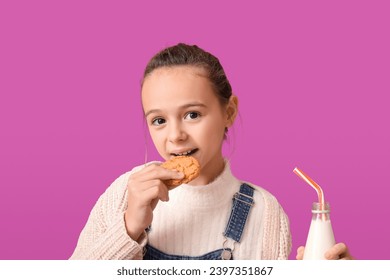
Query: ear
[231, 110]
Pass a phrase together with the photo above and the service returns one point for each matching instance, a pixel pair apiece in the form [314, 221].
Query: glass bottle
[320, 238]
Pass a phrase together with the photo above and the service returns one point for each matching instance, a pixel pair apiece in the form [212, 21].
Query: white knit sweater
[192, 223]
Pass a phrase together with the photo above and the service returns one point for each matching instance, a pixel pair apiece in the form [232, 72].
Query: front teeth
[184, 154]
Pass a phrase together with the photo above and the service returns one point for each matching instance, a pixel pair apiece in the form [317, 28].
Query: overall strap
[242, 203]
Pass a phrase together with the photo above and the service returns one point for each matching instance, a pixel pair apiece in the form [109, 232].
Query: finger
[300, 252]
[135, 187]
[346, 255]
[157, 172]
[162, 195]
[336, 251]
[143, 194]
[140, 187]
[146, 198]
[154, 203]
[163, 192]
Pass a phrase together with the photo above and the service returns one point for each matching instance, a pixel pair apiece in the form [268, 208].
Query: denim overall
[242, 203]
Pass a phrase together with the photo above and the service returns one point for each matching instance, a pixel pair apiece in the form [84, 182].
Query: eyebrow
[185, 106]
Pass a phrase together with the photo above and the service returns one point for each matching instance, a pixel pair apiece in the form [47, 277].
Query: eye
[192, 115]
[158, 121]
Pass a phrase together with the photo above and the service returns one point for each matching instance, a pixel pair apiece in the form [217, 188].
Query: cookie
[188, 165]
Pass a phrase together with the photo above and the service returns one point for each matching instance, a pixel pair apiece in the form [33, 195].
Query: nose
[176, 132]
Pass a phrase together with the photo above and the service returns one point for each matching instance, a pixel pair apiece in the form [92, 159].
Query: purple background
[312, 78]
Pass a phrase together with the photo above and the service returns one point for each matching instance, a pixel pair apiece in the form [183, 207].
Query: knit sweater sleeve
[277, 236]
[104, 235]
[284, 236]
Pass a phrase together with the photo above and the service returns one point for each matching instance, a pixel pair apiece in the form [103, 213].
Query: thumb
[300, 252]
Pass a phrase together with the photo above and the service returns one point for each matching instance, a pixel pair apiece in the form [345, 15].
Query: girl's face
[185, 117]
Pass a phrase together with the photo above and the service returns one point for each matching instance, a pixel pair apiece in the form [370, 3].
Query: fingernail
[179, 175]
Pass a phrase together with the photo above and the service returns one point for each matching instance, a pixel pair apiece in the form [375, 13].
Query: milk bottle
[320, 238]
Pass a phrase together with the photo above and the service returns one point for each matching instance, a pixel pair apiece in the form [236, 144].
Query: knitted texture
[277, 237]
[105, 236]
[190, 223]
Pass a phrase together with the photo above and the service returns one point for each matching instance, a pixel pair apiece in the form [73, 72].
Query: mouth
[185, 153]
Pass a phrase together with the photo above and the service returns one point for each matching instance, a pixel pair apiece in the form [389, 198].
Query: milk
[320, 238]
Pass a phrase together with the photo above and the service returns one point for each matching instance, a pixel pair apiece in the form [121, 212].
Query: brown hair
[182, 55]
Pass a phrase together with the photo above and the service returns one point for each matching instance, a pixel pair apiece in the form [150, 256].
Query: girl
[188, 106]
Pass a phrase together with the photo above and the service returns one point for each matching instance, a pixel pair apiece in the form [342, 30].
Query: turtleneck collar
[213, 194]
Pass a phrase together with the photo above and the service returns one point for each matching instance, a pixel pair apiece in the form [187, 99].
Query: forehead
[176, 86]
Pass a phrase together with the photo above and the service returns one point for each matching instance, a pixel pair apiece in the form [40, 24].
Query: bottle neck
[320, 211]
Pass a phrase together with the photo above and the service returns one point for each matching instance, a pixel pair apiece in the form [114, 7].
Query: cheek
[156, 137]
[213, 132]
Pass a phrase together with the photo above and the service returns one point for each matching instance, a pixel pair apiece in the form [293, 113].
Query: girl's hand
[300, 252]
[145, 188]
[337, 252]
